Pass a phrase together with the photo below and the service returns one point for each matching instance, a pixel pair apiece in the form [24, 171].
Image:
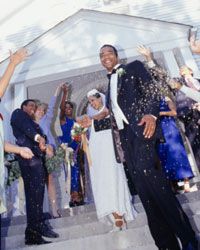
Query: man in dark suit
[134, 105]
[29, 134]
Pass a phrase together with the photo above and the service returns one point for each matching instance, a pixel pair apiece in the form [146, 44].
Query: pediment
[74, 43]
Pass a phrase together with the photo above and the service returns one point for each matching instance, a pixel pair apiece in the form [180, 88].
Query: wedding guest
[15, 59]
[33, 171]
[43, 116]
[66, 123]
[172, 153]
[134, 107]
[186, 111]
[113, 197]
[188, 79]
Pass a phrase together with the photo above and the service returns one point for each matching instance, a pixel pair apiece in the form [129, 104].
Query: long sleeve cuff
[37, 137]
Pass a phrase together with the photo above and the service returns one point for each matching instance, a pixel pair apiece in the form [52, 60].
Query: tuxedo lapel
[120, 78]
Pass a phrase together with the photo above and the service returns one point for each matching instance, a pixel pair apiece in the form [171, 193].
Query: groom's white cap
[92, 92]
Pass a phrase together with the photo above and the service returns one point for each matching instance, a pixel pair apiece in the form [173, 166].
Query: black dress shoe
[76, 203]
[49, 233]
[36, 241]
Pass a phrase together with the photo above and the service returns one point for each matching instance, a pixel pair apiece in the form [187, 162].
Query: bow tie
[109, 75]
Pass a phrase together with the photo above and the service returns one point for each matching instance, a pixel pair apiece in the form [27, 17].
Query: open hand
[26, 153]
[19, 56]
[145, 52]
[84, 121]
[150, 125]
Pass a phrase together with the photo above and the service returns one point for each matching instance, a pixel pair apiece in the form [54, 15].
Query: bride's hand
[84, 121]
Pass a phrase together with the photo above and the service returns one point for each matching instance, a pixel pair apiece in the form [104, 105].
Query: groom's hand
[150, 125]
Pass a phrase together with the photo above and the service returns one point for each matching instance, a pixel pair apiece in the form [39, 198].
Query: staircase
[80, 229]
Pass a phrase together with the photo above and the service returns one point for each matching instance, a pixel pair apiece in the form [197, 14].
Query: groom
[134, 106]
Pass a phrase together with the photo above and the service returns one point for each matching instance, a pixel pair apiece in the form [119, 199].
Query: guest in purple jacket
[43, 116]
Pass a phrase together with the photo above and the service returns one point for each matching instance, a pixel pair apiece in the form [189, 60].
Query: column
[171, 63]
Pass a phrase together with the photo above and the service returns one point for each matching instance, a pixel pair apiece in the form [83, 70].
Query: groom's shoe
[36, 241]
[49, 233]
[46, 231]
[32, 237]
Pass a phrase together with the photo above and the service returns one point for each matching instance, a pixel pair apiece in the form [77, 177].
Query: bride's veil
[91, 111]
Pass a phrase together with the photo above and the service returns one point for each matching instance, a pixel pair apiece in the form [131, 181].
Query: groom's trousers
[166, 217]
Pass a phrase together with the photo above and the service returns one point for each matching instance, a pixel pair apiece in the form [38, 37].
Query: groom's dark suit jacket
[24, 130]
[137, 96]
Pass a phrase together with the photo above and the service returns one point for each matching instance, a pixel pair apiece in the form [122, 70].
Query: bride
[108, 180]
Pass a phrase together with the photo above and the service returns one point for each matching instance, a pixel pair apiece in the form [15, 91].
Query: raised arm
[52, 103]
[158, 73]
[146, 52]
[15, 59]
[189, 92]
[65, 90]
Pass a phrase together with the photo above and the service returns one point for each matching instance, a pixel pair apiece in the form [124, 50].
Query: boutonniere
[120, 72]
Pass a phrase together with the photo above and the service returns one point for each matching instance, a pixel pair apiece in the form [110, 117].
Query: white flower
[120, 72]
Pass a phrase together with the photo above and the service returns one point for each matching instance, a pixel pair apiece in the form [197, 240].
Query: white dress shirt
[118, 113]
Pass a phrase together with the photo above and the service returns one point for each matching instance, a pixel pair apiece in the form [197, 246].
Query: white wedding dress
[108, 180]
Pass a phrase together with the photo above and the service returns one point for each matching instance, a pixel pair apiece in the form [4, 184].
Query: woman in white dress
[109, 184]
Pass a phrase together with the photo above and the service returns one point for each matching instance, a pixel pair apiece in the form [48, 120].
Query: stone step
[183, 198]
[190, 203]
[147, 247]
[69, 212]
[76, 227]
[107, 241]
[71, 232]
[77, 217]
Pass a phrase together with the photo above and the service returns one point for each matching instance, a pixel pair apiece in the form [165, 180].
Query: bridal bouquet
[77, 131]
